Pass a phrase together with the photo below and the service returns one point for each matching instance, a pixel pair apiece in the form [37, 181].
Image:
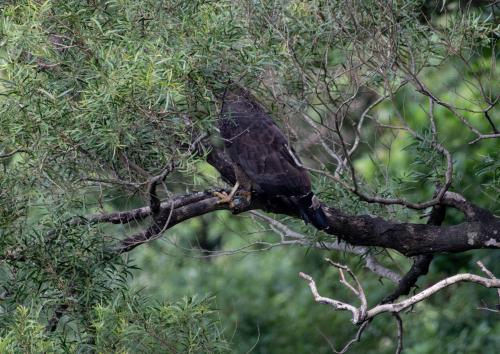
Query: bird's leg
[227, 198]
[233, 191]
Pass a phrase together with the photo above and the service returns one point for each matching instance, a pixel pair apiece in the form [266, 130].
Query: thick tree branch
[482, 230]
[171, 216]
[139, 214]
[421, 263]
[413, 239]
[407, 238]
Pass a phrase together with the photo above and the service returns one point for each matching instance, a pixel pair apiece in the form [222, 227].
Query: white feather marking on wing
[295, 159]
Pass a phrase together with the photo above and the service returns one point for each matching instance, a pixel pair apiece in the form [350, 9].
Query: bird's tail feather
[311, 211]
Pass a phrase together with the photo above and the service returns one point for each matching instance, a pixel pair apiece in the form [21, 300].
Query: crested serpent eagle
[263, 161]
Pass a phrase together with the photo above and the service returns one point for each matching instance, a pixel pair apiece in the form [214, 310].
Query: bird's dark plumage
[263, 160]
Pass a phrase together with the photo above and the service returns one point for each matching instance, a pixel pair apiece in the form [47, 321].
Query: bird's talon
[224, 198]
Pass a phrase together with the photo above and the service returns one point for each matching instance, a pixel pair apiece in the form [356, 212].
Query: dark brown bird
[263, 160]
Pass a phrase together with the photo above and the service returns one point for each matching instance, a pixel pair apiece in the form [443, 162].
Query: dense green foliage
[97, 96]
[127, 325]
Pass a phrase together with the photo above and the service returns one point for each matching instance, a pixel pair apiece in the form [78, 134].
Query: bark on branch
[481, 230]
[363, 230]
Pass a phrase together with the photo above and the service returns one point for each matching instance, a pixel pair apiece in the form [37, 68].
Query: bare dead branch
[361, 315]
[337, 305]
[466, 277]
[291, 237]
[490, 274]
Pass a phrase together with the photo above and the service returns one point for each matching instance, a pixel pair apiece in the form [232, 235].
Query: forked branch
[361, 313]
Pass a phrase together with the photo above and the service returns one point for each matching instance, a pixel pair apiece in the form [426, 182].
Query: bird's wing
[264, 155]
[258, 148]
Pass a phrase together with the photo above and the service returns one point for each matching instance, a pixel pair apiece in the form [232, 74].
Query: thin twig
[399, 324]
[291, 237]
[9, 154]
